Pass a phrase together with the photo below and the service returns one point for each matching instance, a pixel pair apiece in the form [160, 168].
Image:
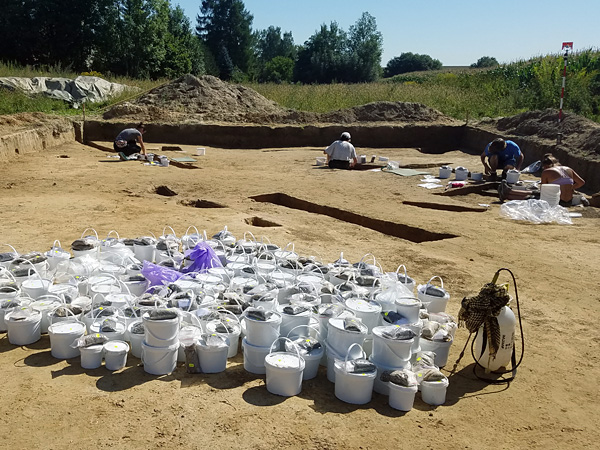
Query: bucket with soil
[309, 348]
[23, 325]
[434, 298]
[162, 327]
[354, 378]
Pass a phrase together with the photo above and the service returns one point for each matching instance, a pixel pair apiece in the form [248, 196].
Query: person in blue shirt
[503, 155]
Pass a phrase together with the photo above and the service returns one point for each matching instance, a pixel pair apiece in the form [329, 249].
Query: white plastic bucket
[445, 172]
[408, 307]
[62, 336]
[434, 392]
[366, 310]
[550, 193]
[263, 333]
[284, 372]
[289, 321]
[24, 332]
[213, 358]
[45, 307]
[340, 339]
[354, 388]
[234, 337]
[390, 352]
[382, 387]
[91, 357]
[135, 340]
[35, 287]
[321, 160]
[461, 173]
[312, 360]
[476, 176]
[416, 327]
[161, 333]
[512, 176]
[159, 360]
[402, 398]
[332, 355]
[254, 357]
[433, 303]
[118, 335]
[115, 354]
[144, 252]
[440, 348]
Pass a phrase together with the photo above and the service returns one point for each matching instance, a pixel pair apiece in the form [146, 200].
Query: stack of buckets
[260, 334]
[161, 344]
[339, 341]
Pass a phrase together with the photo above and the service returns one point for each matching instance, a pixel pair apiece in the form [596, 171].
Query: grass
[457, 92]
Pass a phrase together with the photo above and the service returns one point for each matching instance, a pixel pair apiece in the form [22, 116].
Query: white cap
[345, 136]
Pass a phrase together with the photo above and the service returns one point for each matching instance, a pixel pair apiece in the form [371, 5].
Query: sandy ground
[52, 404]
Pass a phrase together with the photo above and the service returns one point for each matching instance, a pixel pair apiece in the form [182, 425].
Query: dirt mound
[386, 112]
[208, 99]
[22, 121]
[580, 135]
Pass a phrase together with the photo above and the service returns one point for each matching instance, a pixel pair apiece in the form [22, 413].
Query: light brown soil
[52, 404]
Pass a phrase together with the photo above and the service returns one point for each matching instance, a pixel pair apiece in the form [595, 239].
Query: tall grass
[505, 90]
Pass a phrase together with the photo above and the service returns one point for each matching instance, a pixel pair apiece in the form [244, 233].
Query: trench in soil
[412, 234]
[201, 204]
[442, 207]
[260, 222]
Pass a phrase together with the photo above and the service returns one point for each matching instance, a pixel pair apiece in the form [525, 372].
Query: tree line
[154, 39]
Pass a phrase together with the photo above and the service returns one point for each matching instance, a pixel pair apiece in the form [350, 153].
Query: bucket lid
[67, 327]
[116, 346]
[408, 301]
[285, 360]
[362, 305]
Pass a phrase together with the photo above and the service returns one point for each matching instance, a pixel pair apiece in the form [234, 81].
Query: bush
[485, 61]
[411, 62]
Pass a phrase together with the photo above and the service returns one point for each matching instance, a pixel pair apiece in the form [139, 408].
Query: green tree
[279, 69]
[485, 61]
[270, 43]
[183, 51]
[410, 62]
[324, 56]
[365, 46]
[225, 27]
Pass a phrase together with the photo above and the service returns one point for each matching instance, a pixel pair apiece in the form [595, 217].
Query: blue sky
[455, 32]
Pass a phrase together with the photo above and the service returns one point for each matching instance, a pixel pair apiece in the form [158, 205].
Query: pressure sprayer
[490, 317]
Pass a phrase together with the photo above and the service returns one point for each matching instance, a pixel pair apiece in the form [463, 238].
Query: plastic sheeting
[535, 211]
[81, 89]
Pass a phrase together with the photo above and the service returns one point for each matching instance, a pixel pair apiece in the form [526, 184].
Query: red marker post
[566, 46]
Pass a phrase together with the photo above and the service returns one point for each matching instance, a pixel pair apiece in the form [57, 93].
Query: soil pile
[208, 99]
[580, 135]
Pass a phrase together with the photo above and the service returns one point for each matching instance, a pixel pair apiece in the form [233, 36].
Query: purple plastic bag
[204, 258]
[159, 275]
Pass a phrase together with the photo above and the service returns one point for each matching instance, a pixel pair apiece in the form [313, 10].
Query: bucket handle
[309, 327]
[167, 235]
[294, 345]
[285, 249]
[13, 249]
[88, 229]
[113, 231]
[34, 269]
[67, 311]
[439, 278]
[348, 354]
[54, 246]
[3, 271]
[405, 274]
[250, 233]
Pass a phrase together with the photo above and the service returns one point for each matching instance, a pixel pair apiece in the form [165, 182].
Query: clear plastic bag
[535, 211]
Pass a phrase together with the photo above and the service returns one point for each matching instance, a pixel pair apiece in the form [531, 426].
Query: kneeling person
[502, 155]
[126, 143]
[341, 154]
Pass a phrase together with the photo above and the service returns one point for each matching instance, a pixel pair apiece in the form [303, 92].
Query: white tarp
[81, 89]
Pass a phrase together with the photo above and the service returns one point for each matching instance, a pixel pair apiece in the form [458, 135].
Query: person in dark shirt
[130, 141]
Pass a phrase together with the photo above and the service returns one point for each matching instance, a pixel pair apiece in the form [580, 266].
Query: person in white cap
[341, 154]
